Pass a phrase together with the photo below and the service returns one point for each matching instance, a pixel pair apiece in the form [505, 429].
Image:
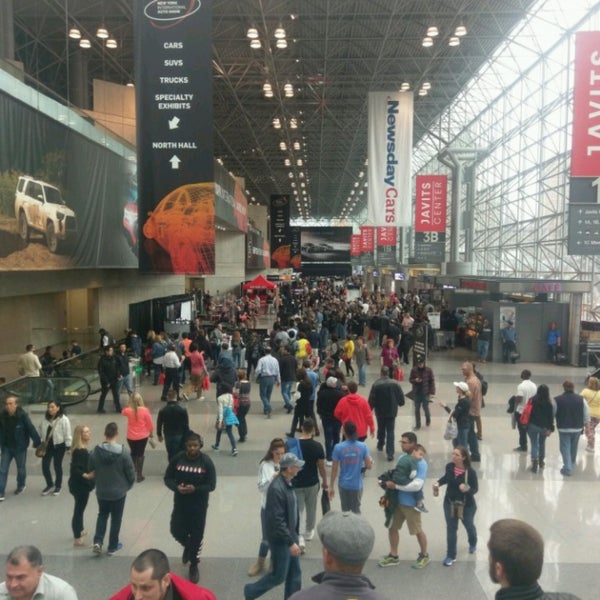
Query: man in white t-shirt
[527, 389]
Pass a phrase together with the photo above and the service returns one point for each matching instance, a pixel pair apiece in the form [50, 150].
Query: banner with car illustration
[66, 201]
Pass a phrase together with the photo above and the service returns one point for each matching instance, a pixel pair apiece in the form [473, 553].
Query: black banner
[175, 135]
[257, 250]
[281, 234]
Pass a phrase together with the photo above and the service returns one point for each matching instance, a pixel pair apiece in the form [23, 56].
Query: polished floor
[565, 510]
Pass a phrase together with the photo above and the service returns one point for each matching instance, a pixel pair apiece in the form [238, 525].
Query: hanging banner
[355, 245]
[430, 202]
[231, 204]
[173, 63]
[281, 233]
[585, 153]
[386, 246]
[367, 245]
[390, 158]
[257, 250]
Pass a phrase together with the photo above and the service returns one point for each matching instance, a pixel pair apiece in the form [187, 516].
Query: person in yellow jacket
[303, 349]
[348, 354]
[591, 394]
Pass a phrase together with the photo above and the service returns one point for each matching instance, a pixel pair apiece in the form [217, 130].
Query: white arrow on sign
[174, 123]
[174, 160]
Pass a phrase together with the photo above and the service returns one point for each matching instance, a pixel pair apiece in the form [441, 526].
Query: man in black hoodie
[108, 370]
[114, 476]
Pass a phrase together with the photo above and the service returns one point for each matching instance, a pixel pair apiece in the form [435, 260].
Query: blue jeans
[424, 402]
[385, 434]
[114, 509]
[265, 389]
[482, 349]
[362, 374]
[452, 526]
[173, 444]
[20, 457]
[126, 383]
[568, 449]
[537, 437]
[331, 431]
[286, 392]
[472, 438]
[228, 430]
[286, 568]
[462, 439]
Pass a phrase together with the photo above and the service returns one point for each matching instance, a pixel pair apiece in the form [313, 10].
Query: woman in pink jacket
[139, 429]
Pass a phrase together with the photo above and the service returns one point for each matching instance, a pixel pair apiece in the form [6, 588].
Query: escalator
[71, 382]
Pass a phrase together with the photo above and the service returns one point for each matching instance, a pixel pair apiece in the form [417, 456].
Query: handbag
[410, 395]
[451, 429]
[514, 355]
[526, 414]
[40, 451]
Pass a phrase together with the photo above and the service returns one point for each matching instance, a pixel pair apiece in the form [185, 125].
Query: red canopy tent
[259, 283]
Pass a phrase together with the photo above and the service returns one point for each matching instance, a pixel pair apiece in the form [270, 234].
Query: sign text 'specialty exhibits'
[175, 136]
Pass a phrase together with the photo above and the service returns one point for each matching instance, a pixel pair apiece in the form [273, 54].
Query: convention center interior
[278, 276]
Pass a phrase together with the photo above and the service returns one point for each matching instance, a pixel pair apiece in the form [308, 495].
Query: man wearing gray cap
[281, 531]
[347, 540]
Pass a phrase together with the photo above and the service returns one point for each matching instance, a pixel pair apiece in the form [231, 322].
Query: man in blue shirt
[350, 458]
[406, 511]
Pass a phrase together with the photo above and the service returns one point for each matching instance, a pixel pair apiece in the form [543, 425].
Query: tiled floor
[566, 511]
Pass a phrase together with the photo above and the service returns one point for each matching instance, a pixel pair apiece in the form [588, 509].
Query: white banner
[390, 159]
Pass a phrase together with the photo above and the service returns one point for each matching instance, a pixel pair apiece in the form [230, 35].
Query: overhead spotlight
[296, 145]
[102, 32]
[432, 31]
[294, 123]
[427, 42]
[85, 43]
[279, 33]
[361, 174]
[299, 162]
[287, 162]
[282, 146]
[131, 84]
[422, 92]
[291, 175]
[277, 123]
[426, 85]
[460, 31]
[288, 89]
[252, 33]
[75, 33]
[255, 44]
[111, 43]
[281, 44]
[454, 41]
[405, 86]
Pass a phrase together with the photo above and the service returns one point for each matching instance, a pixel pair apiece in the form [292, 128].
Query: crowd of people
[313, 361]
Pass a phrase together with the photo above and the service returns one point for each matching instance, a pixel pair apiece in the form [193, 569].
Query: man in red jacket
[151, 579]
[354, 407]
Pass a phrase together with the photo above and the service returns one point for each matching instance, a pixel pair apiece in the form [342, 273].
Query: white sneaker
[309, 535]
[302, 544]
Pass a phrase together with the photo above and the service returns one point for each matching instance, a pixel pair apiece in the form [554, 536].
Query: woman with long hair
[540, 426]
[55, 429]
[591, 394]
[139, 430]
[197, 371]
[460, 413]
[267, 471]
[461, 484]
[303, 407]
[81, 482]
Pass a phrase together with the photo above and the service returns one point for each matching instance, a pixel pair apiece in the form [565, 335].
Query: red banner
[367, 238]
[355, 245]
[386, 236]
[430, 209]
[585, 153]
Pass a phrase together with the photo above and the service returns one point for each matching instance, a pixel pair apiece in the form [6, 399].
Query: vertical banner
[281, 232]
[386, 246]
[390, 158]
[355, 246]
[585, 153]
[430, 217]
[173, 63]
[367, 245]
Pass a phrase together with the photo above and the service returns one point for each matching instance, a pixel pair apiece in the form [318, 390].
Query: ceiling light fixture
[288, 88]
[427, 42]
[432, 31]
[296, 145]
[252, 33]
[75, 33]
[299, 162]
[287, 162]
[422, 92]
[102, 33]
[279, 33]
[111, 43]
[277, 123]
[282, 146]
[281, 43]
[454, 41]
[255, 44]
[460, 31]
[293, 123]
[426, 85]
[85, 43]
[405, 86]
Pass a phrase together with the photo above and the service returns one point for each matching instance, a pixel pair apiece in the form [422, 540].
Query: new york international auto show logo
[170, 12]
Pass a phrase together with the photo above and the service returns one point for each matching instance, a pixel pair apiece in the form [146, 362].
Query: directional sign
[584, 229]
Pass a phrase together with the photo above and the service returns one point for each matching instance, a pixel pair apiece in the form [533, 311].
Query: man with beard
[191, 476]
